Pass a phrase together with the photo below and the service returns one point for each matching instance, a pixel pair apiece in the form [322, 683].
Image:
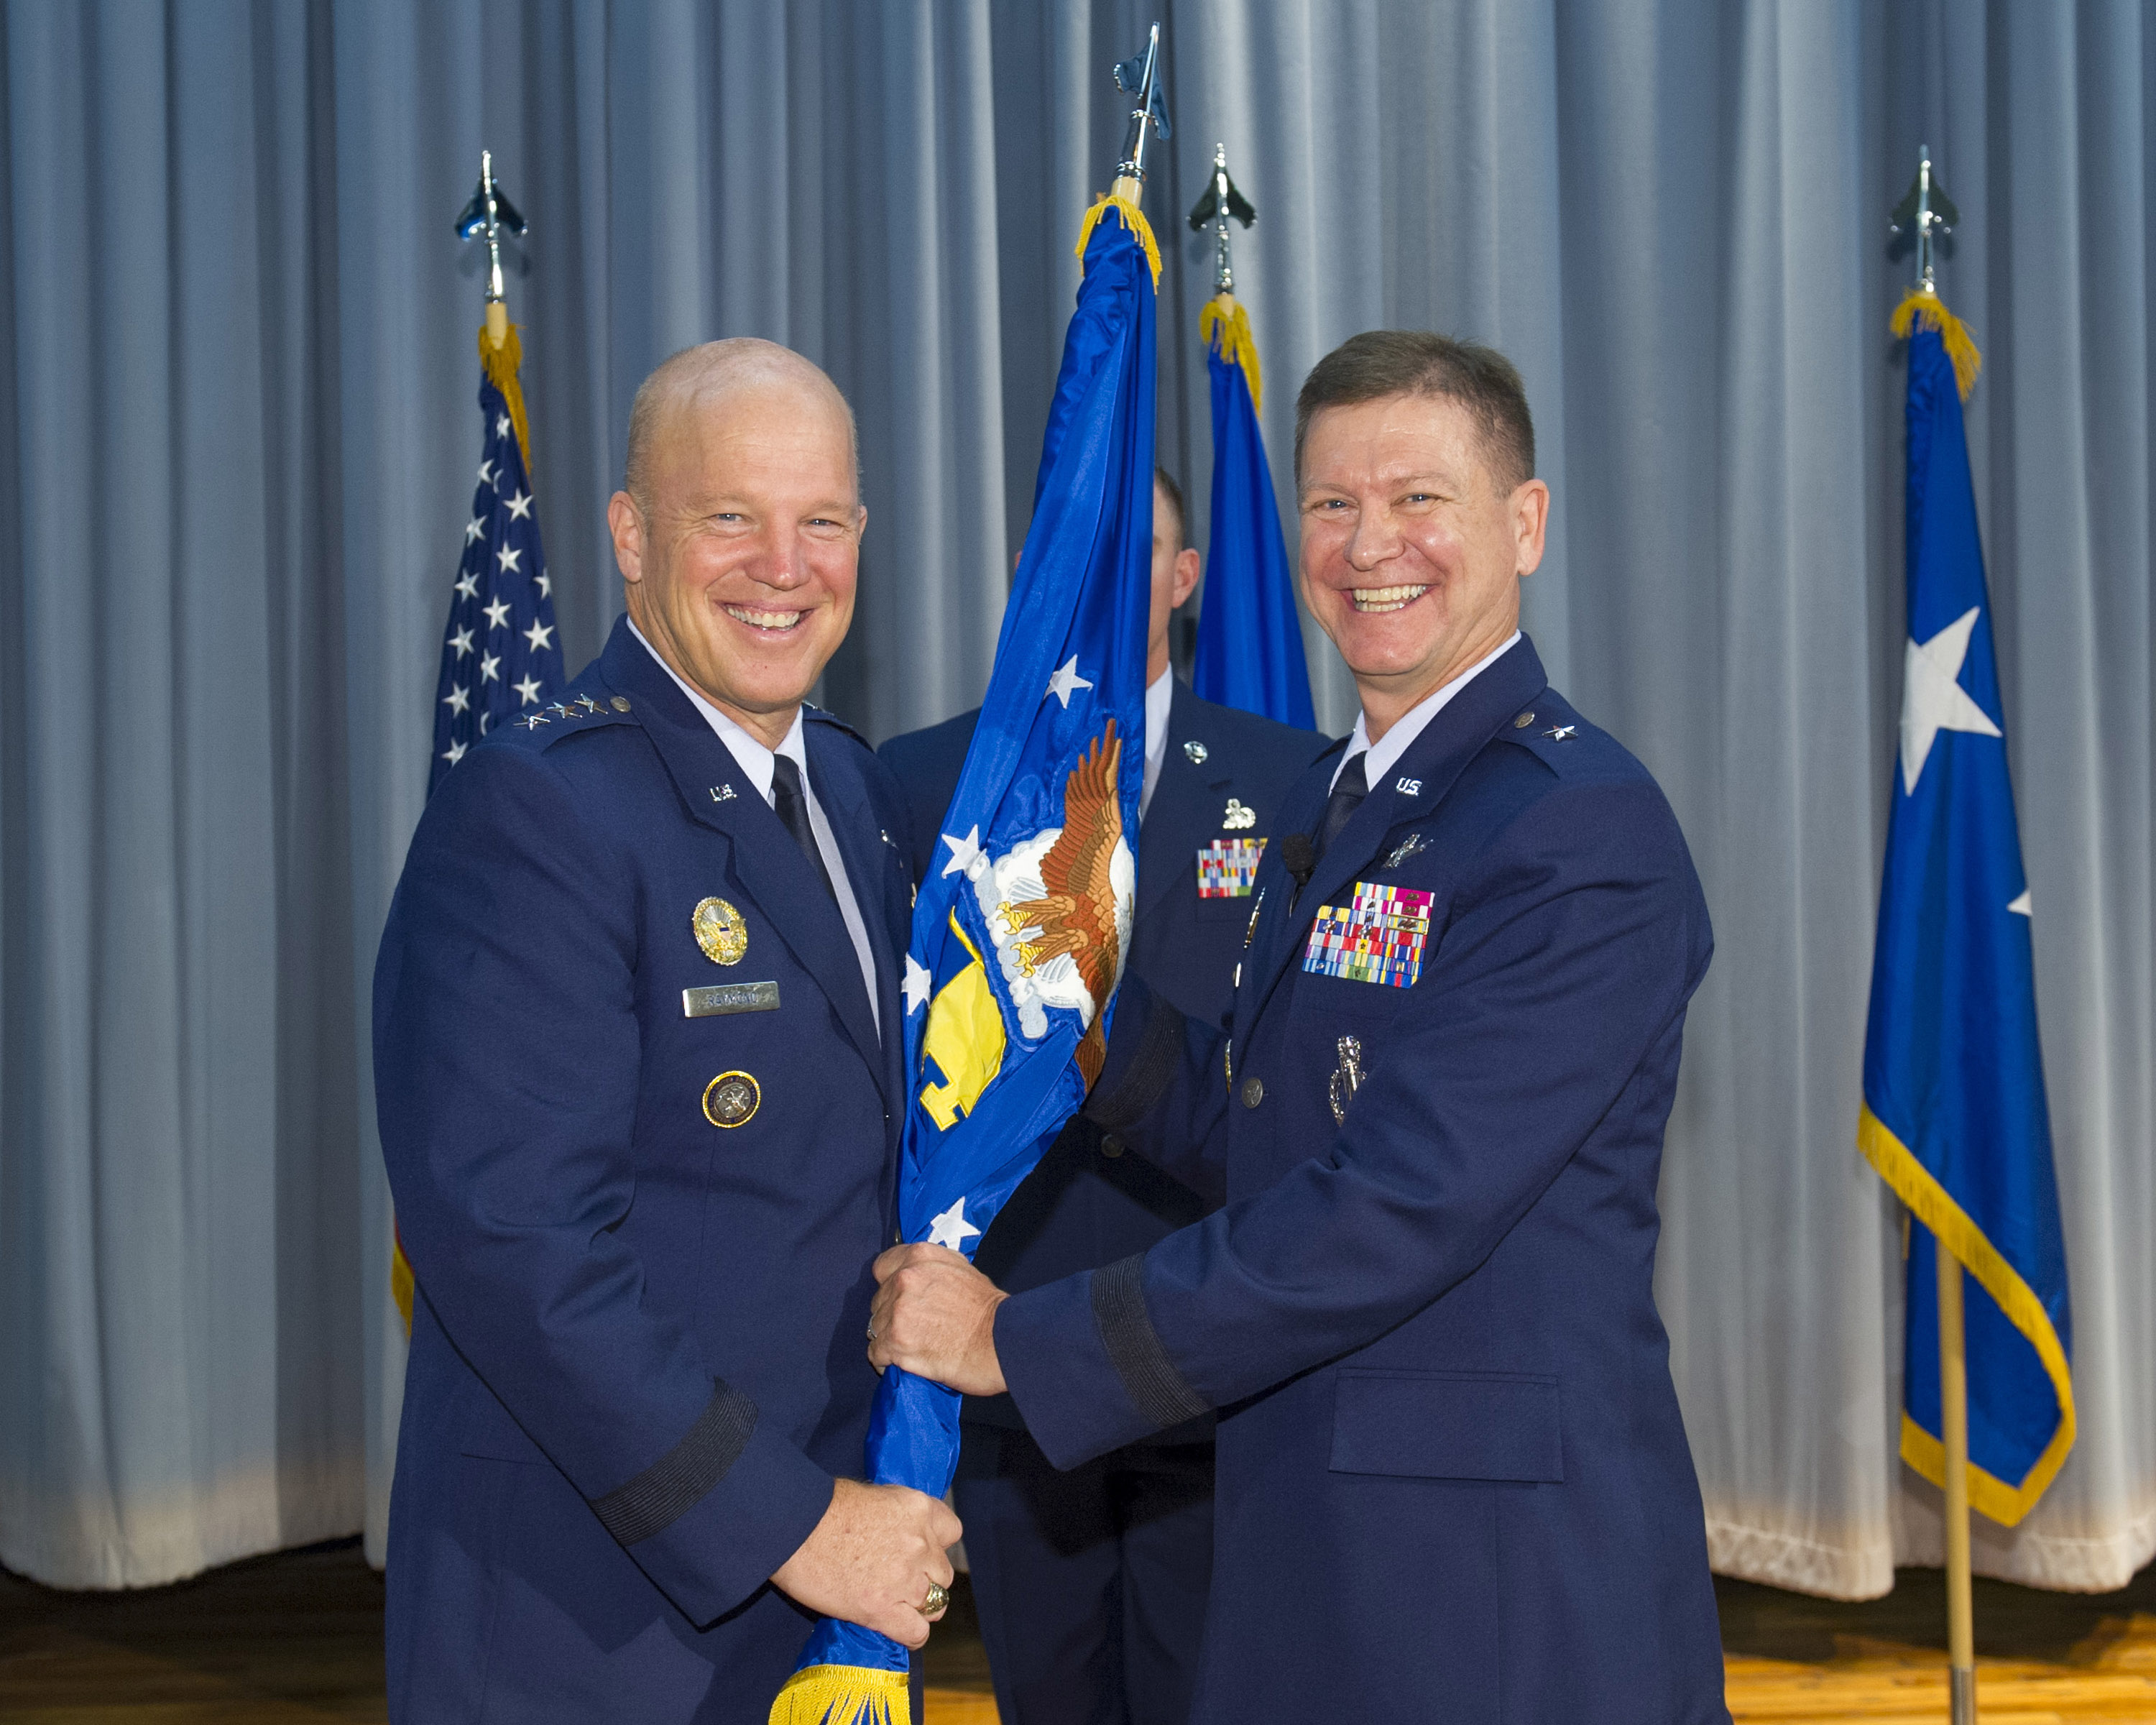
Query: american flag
[500, 654]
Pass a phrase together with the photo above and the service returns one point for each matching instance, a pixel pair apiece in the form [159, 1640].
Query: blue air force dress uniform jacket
[1453, 1481]
[639, 1126]
[1060, 1561]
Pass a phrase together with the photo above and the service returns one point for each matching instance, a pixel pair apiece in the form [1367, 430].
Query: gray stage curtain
[235, 454]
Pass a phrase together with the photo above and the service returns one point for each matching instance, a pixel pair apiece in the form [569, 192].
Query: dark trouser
[1091, 1584]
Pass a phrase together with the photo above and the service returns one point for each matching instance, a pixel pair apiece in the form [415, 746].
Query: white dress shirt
[1394, 743]
[756, 762]
[1159, 693]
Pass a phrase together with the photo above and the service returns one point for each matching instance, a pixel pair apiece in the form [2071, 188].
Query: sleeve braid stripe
[1156, 1388]
[674, 1484]
[1151, 1070]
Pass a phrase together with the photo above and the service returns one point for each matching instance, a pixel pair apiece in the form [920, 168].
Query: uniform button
[1254, 1091]
[1112, 1146]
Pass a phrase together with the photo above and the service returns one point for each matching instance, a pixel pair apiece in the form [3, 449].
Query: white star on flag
[1932, 698]
[457, 699]
[529, 689]
[520, 505]
[497, 614]
[916, 986]
[453, 753]
[474, 529]
[487, 471]
[951, 1229]
[2021, 906]
[964, 854]
[1066, 682]
[540, 636]
[501, 425]
[462, 641]
[468, 586]
[490, 667]
[545, 584]
[508, 557]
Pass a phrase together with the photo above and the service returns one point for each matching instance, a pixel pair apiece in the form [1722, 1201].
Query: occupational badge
[720, 931]
[1237, 818]
[1377, 937]
[1402, 851]
[1227, 867]
[731, 1100]
[1196, 751]
[1340, 1088]
[1250, 933]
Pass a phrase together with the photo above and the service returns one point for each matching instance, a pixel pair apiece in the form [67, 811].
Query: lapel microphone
[1300, 857]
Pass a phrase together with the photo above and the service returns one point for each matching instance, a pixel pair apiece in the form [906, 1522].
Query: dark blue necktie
[790, 802]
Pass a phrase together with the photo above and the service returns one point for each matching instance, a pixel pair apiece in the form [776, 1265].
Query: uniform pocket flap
[1448, 1425]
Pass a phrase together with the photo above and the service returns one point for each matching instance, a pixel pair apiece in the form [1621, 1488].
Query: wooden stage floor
[296, 1638]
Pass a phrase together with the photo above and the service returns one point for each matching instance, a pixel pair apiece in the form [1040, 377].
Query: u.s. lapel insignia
[720, 930]
[1402, 851]
[1237, 818]
[1227, 867]
[1377, 937]
[731, 1100]
[1408, 787]
[1347, 1078]
[1196, 752]
[722, 793]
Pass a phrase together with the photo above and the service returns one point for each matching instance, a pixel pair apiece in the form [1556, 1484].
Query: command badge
[720, 930]
[731, 1099]
[1377, 937]
[1227, 866]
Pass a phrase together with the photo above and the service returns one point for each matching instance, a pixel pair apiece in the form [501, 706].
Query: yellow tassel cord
[1919, 306]
[1227, 327]
[501, 364]
[1953, 1228]
[1133, 218]
[401, 1282]
[843, 1695]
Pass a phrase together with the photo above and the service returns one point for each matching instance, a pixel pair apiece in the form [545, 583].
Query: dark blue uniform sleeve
[1573, 946]
[506, 1071]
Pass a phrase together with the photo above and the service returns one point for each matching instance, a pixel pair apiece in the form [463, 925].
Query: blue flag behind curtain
[1954, 1114]
[1250, 637]
[1020, 935]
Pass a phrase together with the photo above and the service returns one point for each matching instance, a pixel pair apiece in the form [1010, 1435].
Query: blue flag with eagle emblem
[1954, 1114]
[1020, 936]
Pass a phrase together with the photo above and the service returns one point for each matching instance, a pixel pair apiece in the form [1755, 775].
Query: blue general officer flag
[499, 658]
[1019, 936]
[1954, 1114]
[1249, 637]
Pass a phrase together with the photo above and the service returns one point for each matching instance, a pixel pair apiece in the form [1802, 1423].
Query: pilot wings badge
[1058, 906]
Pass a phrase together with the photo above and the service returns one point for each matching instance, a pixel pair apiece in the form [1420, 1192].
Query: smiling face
[1411, 554]
[740, 561]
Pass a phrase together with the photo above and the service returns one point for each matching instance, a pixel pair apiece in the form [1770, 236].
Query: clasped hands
[935, 1316]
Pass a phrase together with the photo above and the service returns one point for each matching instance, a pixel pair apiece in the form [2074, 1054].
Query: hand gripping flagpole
[1928, 212]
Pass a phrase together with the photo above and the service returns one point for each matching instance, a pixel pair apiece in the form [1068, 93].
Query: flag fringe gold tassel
[1133, 218]
[844, 1694]
[1227, 327]
[1924, 305]
[502, 365]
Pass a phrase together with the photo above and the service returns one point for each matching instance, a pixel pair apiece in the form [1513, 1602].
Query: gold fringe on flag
[501, 365]
[1133, 218]
[1227, 327]
[844, 1694]
[402, 1283]
[1924, 305]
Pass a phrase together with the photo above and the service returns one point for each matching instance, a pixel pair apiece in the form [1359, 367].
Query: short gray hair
[709, 365]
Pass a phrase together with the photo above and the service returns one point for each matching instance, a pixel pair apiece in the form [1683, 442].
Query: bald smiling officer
[1453, 1481]
[637, 1065]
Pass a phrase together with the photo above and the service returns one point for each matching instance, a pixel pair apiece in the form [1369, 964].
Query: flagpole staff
[1141, 78]
[490, 212]
[1927, 210]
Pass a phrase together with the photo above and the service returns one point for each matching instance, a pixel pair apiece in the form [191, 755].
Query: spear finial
[1140, 76]
[1221, 201]
[1930, 211]
[490, 213]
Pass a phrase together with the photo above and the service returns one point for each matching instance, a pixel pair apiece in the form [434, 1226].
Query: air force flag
[1020, 936]
[1954, 1114]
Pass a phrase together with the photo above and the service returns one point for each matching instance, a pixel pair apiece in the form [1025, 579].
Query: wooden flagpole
[1954, 1424]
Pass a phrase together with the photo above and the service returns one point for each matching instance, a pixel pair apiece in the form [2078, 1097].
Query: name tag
[709, 1002]
[1227, 867]
[1377, 938]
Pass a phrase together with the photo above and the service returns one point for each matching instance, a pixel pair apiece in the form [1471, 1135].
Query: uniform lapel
[1432, 764]
[1181, 817]
[838, 786]
[771, 868]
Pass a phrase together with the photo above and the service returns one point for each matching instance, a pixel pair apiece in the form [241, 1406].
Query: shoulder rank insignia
[1227, 867]
[1377, 938]
[1562, 733]
[720, 930]
[1237, 818]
